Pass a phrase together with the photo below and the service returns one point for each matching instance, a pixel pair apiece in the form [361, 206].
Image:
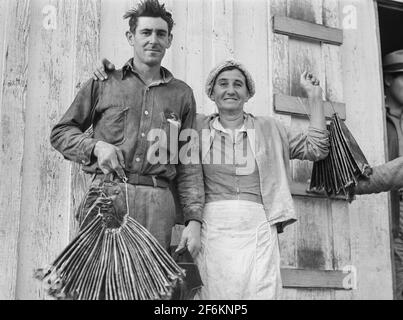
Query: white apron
[240, 257]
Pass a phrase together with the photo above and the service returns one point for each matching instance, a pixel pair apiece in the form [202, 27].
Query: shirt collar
[217, 126]
[165, 73]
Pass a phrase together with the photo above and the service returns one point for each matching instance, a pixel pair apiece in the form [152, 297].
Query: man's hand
[191, 238]
[110, 159]
[311, 85]
[100, 73]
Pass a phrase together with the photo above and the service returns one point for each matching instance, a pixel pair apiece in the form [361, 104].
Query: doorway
[390, 16]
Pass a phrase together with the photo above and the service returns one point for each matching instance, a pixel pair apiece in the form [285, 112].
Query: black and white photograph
[201, 153]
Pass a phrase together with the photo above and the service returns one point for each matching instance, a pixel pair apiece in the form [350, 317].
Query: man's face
[150, 41]
[230, 91]
[395, 86]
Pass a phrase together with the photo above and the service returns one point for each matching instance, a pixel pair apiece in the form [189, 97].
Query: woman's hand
[100, 73]
[311, 85]
[191, 238]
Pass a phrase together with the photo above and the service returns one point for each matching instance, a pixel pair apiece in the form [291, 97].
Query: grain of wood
[300, 189]
[314, 246]
[250, 37]
[331, 13]
[113, 42]
[305, 10]
[195, 75]
[179, 49]
[223, 30]
[168, 60]
[307, 30]
[3, 48]
[298, 106]
[207, 106]
[13, 59]
[321, 279]
[278, 8]
[341, 230]
[303, 56]
[46, 178]
[187, 57]
[331, 58]
[370, 234]
[280, 83]
[218, 38]
[86, 57]
[340, 215]
[314, 242]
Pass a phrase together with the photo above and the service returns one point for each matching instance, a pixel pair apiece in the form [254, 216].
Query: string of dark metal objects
[339, 172]
[113, 257]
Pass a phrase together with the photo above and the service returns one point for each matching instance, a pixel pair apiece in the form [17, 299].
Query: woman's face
[230, 92]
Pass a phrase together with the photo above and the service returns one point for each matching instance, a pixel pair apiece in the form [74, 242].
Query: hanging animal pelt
[338, 174]
[113, 257]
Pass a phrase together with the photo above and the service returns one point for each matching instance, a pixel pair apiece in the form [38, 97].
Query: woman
[247, 186]
[246, 174]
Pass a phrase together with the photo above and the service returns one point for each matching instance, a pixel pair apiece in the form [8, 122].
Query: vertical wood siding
[42, 69]
[87, 33]
[365, 117]
[46, 178]
[14, 29]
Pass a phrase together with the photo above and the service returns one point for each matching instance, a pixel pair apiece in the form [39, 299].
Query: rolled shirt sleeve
[69, 136]
[312, 145]
[385, 177]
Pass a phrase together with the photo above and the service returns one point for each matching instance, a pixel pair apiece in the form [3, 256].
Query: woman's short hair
[227, 66]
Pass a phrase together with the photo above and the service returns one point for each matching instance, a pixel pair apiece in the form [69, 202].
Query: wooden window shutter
[315, 251]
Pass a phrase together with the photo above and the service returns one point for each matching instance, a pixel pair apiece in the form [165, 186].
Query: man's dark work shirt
[143, 121]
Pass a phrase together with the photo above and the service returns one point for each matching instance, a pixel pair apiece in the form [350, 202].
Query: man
[393, 80]
[389, 176]
[385, 177]
[124, 112]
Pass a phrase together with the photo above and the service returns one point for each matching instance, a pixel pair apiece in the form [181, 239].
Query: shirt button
[138, 159]
[146, 113]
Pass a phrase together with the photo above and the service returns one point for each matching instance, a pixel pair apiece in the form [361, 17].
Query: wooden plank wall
[14, 29]
[363, 95]
[46, 179]
[343, 234]
[41, 69]
[309, 243]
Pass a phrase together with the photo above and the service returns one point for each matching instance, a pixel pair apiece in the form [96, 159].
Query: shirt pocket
[114, 123]
[170, 129]
[163, 121]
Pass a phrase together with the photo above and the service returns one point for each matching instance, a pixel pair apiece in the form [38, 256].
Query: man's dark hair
[149, 8]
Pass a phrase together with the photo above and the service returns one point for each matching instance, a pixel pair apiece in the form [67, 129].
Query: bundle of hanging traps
[338, 174]
[113, 257]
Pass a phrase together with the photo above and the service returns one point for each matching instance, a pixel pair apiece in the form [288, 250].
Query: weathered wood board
[44, 225]
[49, 48]
[14, 32]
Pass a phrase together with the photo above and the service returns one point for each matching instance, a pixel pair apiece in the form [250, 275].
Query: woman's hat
[393, 62]
[250, 84]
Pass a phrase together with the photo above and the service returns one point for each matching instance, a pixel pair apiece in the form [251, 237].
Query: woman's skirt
[239, 258]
